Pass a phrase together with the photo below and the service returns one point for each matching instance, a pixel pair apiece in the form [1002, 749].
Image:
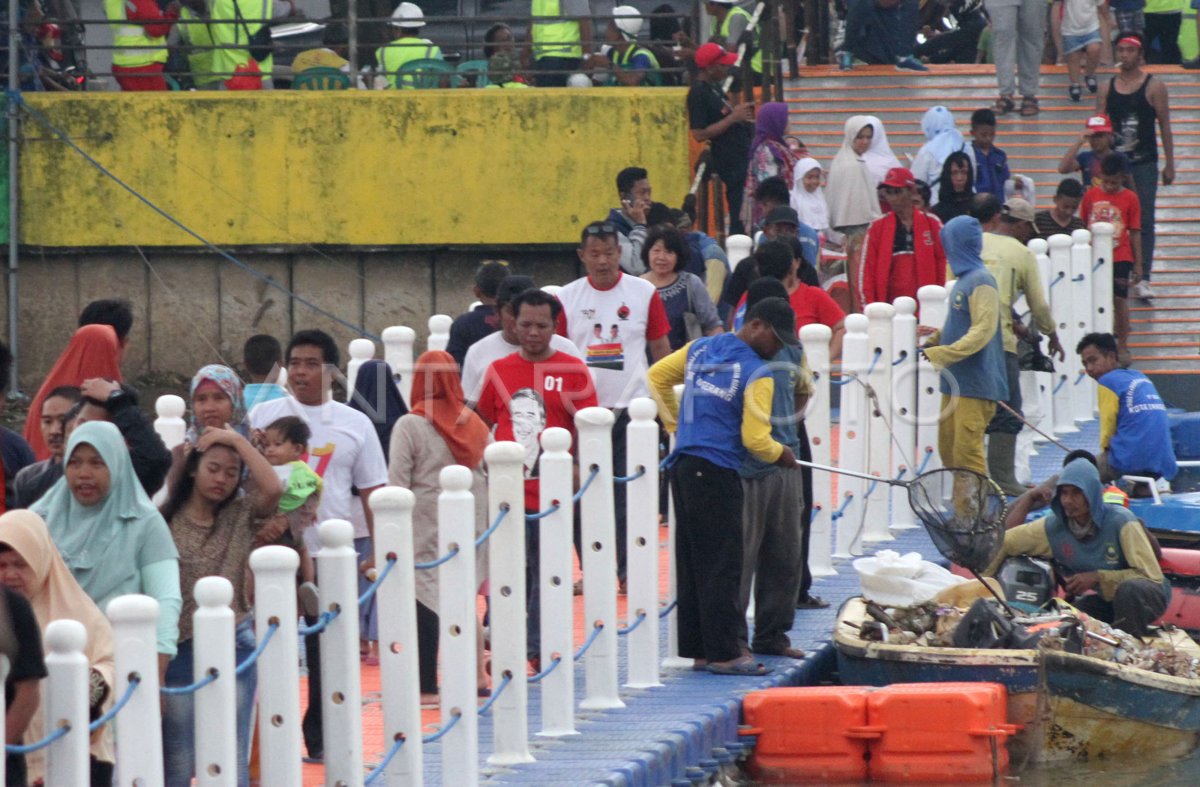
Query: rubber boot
[1002, 453]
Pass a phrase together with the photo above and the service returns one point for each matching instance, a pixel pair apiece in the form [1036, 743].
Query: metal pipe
[14, 85]
[1021, 418]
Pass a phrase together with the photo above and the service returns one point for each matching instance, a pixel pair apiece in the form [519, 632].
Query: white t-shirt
[344, 450]
[1081, 17]
[611, 327]
[492, 348]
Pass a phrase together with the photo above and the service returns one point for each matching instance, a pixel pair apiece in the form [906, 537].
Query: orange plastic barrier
[906, 733]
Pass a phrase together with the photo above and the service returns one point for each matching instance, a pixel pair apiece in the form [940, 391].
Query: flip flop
[743, 668]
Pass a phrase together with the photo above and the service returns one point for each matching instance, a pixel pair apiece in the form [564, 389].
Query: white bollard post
[673, 660]
[66, 700]
[1083, 389]
[904, 408]
[556, 566]
[398, 343]
[933, 300]
[396, 601]
[594, 427]
[815, 340]
[278, 667]
[1045, 380]
[880, 417]
[1060, 307]
[738, 248]
[641, 503]
[215, 705]
[457, 619]
[169, 424]
[852, 438]
[341, 698]
[553, 289]
[439, 332]
[139, 724]
[361, 351]
[506, 578]
[1102, 276]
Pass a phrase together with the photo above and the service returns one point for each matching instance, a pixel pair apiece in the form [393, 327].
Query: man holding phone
[633, 188]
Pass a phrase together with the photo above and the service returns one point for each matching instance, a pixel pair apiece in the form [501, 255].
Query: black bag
[259, 43]
[986, 626]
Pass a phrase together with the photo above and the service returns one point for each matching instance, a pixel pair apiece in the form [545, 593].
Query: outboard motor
[1028, 582]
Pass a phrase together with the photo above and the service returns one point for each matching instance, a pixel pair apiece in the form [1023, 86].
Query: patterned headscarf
[230, 384]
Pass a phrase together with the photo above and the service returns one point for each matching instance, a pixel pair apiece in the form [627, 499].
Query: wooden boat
[1070, 707]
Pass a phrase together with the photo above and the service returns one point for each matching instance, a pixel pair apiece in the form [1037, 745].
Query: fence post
[361, 351]
[67, 701]
[139, 730]
[673, 660]
[738, 248]
[815, 339]
[341, 699]
[880, 416]
[556, 566]
[398, 343]
[594, 427]
[215, 705]
[852, 437]
[456, 617]
[905, 455]
[641, 503]
[1102, 276]
[1060, 307]
[278, 667]
[932, 299]
[1041, 251]
[439, 332]
[509, 623]
[1083, 388]
[396, 602]
[169, 424]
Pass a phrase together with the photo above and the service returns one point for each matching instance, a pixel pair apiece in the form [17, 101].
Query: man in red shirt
[775, 260]
[903, 249]
[1119, 206]
[525, 393]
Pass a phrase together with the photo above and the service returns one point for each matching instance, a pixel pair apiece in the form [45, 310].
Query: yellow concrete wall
[458, 167]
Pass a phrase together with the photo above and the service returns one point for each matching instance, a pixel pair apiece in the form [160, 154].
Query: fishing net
[970, 530]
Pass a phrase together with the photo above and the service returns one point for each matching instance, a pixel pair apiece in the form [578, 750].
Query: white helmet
[628, 20]
[408, 15]
[579, 80]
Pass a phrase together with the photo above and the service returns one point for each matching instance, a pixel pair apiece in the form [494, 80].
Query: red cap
[711, 53]
[1098, 124]
[899, 178]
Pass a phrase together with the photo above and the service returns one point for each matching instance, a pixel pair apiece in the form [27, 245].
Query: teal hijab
[106, 544]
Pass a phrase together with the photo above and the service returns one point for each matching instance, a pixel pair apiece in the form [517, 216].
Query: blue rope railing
[925, 461]
[845, 378]
[369, 593]
[1079, 379]
[1060, 277]
[496, 692]
[668, 609]
[841, 510]
[436, 561]
[30, 748]
[378, 770]
[588, 642]
[1098, 265]
[1079, 278]
[874, 360]
[1061, 382]
[595, 471]
[554, 507]
[134, 682]
[326, 618]
[208, 679]
[485, 535]
[258, 649]
[443, 730]
[554, 662]
[625, 479]
[641, 615]
[903, 357]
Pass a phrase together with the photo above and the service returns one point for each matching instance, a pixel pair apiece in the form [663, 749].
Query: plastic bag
[896, 580]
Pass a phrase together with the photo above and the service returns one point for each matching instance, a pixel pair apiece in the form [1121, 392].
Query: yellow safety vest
[133, 47]
[554, 39]
[404, 50]
[198, 36]
[751, 44]
[652, 75]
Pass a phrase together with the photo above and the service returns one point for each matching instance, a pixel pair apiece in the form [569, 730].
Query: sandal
[1003, 105]
[1029, 107]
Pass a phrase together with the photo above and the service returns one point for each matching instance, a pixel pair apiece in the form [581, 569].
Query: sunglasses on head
[600, 229]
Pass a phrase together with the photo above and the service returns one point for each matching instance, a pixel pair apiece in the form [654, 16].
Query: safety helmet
[408, 15]
[628, 21]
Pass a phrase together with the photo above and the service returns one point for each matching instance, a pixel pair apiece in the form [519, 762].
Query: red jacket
[147, 13]
[878, 281]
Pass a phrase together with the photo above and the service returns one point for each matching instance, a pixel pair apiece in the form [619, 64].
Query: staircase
[1165, 339]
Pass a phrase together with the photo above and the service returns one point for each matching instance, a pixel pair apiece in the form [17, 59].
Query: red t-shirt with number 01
[522, 398]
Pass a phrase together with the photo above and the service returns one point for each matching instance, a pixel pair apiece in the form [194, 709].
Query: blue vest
[982, 375]
[710, 416]
[785, 370]
[1101, 552]
[1142, 440]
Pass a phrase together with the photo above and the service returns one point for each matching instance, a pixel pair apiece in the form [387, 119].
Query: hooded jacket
[879, 280]
[970, 349]
[942, 139]
[1117, 547]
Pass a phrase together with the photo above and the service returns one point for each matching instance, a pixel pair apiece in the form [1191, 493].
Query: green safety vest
[554, 39]
[404, 50]
[652, 75]
[751, 45]
[133, 47]
[200, 59]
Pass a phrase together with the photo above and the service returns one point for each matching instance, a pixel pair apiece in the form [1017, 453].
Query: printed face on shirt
[87, 475]
[528, 415]
[601, 257]
[1103, 210]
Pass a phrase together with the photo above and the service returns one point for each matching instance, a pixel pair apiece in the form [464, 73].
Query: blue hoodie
[971, 352]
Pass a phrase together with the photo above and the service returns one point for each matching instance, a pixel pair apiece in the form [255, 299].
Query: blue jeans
[178, 722]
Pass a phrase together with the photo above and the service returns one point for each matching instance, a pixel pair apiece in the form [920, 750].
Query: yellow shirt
[1015, 269]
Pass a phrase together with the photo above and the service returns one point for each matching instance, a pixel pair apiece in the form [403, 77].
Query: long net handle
[855, 474]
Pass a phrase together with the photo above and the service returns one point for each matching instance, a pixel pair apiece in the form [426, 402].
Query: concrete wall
[196, 308]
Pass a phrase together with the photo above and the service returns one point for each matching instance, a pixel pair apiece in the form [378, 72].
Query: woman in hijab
[93, 351]
[956, 187]
[30, 565]
[109, 533]
[217, 401]
[440, 431]
[941, 139]
[770, 156]
[377, 397]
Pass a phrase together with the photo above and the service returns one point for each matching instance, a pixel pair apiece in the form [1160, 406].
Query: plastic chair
[321, 78]
[474, 68]
[426, 74]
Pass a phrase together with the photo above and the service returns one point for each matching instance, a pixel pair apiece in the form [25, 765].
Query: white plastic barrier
[215, 705]
[641, 503]
[169, 425]
[1060, 307]
[341, 698]
[398, 343]
[852, 438]
[738, 248]
[556, 564]
[1102, 276]
[1083, 388]
[905, 457]
[361, 351]
[933, 300]
[134, 621]
[66, 699]
[279, 716]
[439, 331]
[553, 289]
[815, 338]
[1045, 380]
[880, 418]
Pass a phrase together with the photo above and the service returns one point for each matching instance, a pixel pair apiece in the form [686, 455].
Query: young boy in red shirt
[1119, 206]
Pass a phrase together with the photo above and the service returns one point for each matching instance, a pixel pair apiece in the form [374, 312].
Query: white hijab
[810, 205]
[851, 196]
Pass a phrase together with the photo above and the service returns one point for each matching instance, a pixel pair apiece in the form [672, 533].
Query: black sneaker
[1075, 92]
[1092, 86]
[809, 601]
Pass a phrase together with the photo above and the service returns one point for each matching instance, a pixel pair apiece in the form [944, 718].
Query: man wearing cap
[1015, 270]
[903, 249]
[633, 65]
[728, 127]
[407, 44]
[1135, 102]
[503, 342]
[726, 409]
[559, 40]
[1097, 134]
[783, 223]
